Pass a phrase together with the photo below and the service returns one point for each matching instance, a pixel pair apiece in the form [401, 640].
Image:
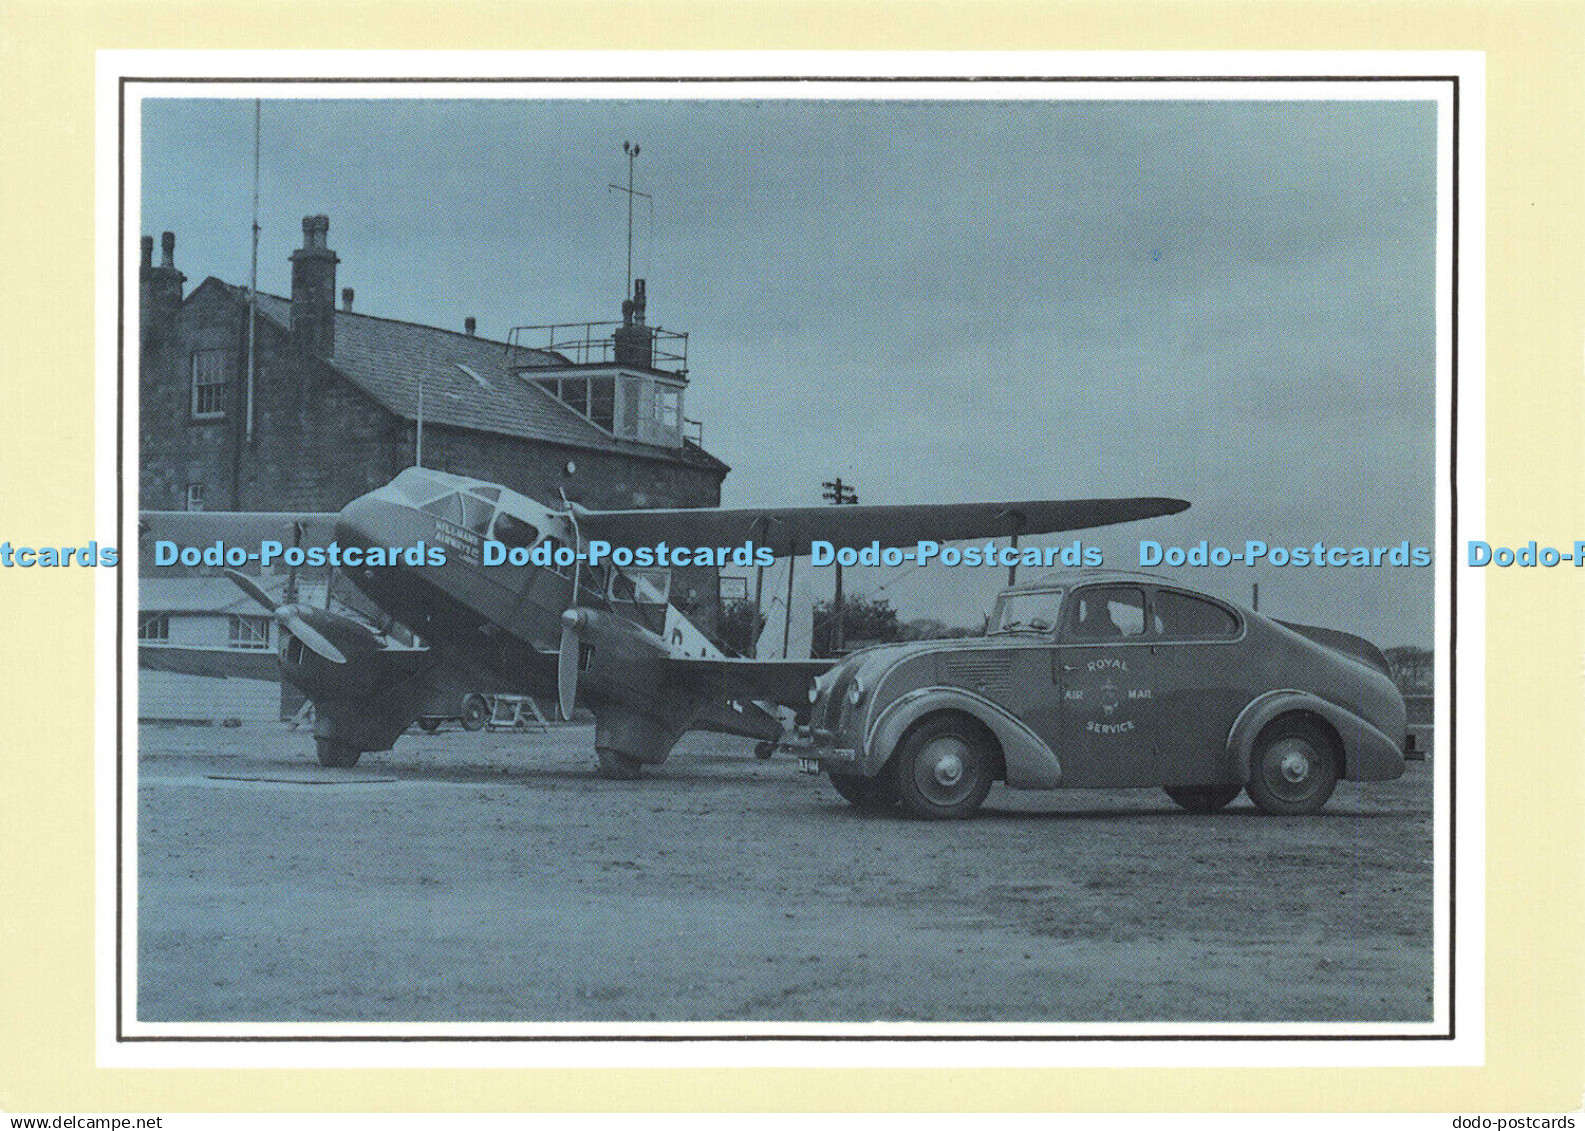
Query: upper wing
[245, 528]
[789, 530]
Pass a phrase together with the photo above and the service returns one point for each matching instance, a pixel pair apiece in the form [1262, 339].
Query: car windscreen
[1027, 612]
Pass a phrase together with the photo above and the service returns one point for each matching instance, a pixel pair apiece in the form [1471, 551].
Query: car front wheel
[943, 769]
[1204, 798]
[1294, 768]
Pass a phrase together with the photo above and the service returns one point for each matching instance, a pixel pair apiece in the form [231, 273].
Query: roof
[468, 382]
[198, 595]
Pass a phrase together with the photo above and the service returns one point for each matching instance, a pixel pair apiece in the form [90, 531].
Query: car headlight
[855, 693]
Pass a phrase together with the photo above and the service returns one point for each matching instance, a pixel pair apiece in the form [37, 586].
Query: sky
[1230, 302]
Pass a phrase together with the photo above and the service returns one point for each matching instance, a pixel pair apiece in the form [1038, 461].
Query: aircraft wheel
[1294, 768]
[874, 795]
[616, 766]
[429, 726]
[944, 769]
[764, 750]
[1204, 798]
[336, 755]
[475, 712]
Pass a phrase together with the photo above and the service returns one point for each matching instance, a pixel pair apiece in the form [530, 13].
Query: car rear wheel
[475, 712]
[875, 795]
[1204, 798]
[943, 769]
[1294, 768]
[336, 755]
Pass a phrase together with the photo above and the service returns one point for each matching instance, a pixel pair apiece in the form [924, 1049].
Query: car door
[1104, 669]
[1200, 685]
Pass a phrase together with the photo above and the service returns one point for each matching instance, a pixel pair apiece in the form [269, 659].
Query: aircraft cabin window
[1107, 614]
[476, 514]
[555, 544]
[512, 532]
[643, 586]
[1179, 616]
[448, 507]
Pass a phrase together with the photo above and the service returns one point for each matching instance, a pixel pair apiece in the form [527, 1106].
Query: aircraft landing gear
[764, 750]
[335, 754]
[616, 766]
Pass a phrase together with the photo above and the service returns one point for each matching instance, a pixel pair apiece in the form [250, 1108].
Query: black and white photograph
[822, 559]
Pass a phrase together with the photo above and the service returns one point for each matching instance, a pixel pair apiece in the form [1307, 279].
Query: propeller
[291, 618]
[572, 621]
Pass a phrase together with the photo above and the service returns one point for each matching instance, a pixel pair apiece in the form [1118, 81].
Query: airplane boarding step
[517, 712]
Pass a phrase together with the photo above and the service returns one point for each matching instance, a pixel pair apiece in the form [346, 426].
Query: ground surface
[492, 877]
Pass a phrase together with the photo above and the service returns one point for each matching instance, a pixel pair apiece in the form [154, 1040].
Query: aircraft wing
[790, 529]
[244, 528]
[780, 681]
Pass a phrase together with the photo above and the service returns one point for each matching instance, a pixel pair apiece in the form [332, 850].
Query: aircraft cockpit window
[643, 586]
[476, 514]
[448, 507]
[419, 486]
[491, 493]
[512, 532]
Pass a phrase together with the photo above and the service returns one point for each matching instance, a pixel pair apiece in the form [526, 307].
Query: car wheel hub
[943, 771]
[949, 769]
[1295, 766]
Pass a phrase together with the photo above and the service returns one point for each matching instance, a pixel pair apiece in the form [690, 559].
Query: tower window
[210, 380]
[195, 496]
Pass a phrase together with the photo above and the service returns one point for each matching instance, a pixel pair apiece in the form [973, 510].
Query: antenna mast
[632, 154]
[253, 274]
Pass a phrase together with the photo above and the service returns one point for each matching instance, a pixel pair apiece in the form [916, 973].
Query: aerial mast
[632, 155]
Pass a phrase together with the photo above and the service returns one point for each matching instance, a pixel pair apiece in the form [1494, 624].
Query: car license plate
[808, 766]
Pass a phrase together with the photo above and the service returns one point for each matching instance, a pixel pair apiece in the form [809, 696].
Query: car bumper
[821, 750]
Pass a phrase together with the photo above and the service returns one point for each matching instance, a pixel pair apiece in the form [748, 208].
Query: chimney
[314, 290]
[159, 290]
[346, 298]
[470, 325]
[633, 342]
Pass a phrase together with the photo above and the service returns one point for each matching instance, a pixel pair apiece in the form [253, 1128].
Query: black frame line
[122, 1037]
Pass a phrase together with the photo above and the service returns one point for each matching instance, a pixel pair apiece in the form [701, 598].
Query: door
[1104, 668]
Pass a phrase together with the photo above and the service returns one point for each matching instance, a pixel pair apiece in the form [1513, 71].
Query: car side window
[1178, 616]
[1109, 613]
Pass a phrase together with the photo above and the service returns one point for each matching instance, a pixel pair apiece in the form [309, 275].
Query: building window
[195, 496]
[593, 397]
[154, 626]
[250, 632]
[668, 408]
[209, 384]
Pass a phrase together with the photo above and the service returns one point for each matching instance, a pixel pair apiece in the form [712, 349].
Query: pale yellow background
[1536, 181]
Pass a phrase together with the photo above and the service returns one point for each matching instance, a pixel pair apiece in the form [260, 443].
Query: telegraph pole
[838, 494]
[632, 155]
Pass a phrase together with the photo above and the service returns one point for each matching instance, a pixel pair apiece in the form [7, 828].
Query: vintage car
[1108, 680]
